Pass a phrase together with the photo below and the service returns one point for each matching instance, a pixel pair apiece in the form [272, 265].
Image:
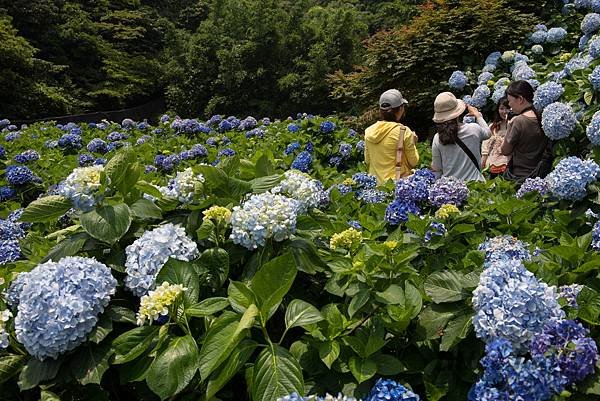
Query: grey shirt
[452, 161]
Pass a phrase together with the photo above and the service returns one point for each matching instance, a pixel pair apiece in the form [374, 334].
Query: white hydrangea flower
[81, 187]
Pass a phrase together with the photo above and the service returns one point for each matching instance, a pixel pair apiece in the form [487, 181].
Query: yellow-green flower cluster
[157, 302]
[446, 210]
[217, 213]
[349, 181]
[347, 239]
[390, 245]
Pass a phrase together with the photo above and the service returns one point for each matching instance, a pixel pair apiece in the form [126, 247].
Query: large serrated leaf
[107, 223]
[445, 286]
[272, 282]
[300, 313]
[48, 208]
[133, 343]
[91, 362]
[230, 367]
[10, 365]
[276, 374]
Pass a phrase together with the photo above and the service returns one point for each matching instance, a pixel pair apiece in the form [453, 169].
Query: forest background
[245, 57]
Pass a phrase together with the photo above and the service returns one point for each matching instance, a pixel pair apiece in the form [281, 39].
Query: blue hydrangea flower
[197, 151]
[214, 120]
[569, 342]
[5, 122]
[97, 145]
[256, 132]
[488, 68]
[493, 58]
[355, 224]
[458, 80]
[261, 217]
[596, 236]
[116, 136]
[149, 169]
[594, 48]
[70, 141]
[594, 78]
[360, 146]
[352, 134]
[499, 93]
[571, 176]
[227, 152]
[128, 123]
[480, 96]
[435, 229]
[504, 247]
[546, 94]
[538, 37]
[164, 118]
[583, 41]
[301, 187]
[484, 77]
[7, 193]
[81, 187]
[309, 147]
[12, 136]
[569, 293]
[247, 123]
[302, 162]
[148, 254]
[167, 163]
[10, 250]
[27, 156]
[327, 127]
[511, 303]
[293, 127]
[19, 175]
[345, 150]
[86, 159]
[343, 189]
[593, 129]
[556, 35]
[234, 121]
[448, 190]
[389, 390]
[522, 71]
[225, 125]
[335, 161]
[590, 23]
[2, 152]
[558, 120]
[579, 62]
[59, 304]
[397, 212]
[291, 148]
[371, 195]
[364, 180]
[533, 184]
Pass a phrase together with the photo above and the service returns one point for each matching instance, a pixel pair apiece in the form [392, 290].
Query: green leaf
[133, 343]
[207, 307]
[107, 223]
[10, 365]
[388, 365]
[136, 370]
[240, 296]
[36, 372]
[222, 337]
[362, 369]
[393, 295]
[145, 209]
[328, 352]
[181, 272]
[216, 261]
[456, 329]
[445, 286]
[102, 329]
[206, 231]
[117, 168]
[149, 189]
[272, 282]
[236, 360]
[48, 208]
[587, 97]
[90, 362]
[276, 373]
[263, 184]
[121, 314]
[300, 313]
[174, 368]
[433, 320]
[414, 300]
[70, 246]
[46, 395]
[358, 301]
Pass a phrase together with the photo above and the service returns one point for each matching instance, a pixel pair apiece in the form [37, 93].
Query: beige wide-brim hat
[447, 107]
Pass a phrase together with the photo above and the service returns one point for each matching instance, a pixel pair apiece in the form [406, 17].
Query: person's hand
[473, 111]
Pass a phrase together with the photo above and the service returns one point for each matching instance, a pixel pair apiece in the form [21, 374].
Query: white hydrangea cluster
[148, 254]
[81, 187]
[300, 186]
[157, 302]
[183, 186]
[5, 316]
[261, 217]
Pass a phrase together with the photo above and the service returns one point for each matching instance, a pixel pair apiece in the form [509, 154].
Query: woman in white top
[456, 148]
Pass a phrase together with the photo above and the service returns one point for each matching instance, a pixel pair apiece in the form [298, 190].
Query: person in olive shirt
[525, 141]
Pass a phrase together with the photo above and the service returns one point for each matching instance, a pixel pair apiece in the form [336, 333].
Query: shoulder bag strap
[400, 151]
[468, 152]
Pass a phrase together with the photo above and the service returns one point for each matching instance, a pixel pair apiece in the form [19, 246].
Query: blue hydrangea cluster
[508, 377]
[19, 175]
[594, 78]
[397, 211]
[261, 217]
[596, 236]
[593, 129]
[590, 23]
[167, 163]
[546, 94]
[480, 96]
[566, 340]
[533, 184]
[302, 162]
[364, 180]
[85, 159]
[538, 37]
[27, 156]
[10, 233]
[227, 152]
[371, 195]
[522, 71]
[183, 186]
[556, 35]
[214, 121]
[583, 41]
[342, 188]
[225, 125]
[293, 127]
[360, 146]
[116, 136]
[579, 62]
[537, 50]
[12, 136]
[248, 123]
[558, 120]
[493, 58]
[499, 93]
[301, 187]
[291, 148]
[327, 127]
[70, 141]
[81, 187]
[511, 303]
[128, 123]
[389, 390]
[448, 190]
[345, 150]
[594, 48]
[2, 152]
[355, 224]
[255, 133]
[458, 80]
[7, 193]
[504, 247]
[435, 229]
[484, 77]
[59, 303]
[5, 122]
[197, 151]
[569, 293]
[234, 121]
[148, 254]
[97, 145]
[571, 176]
[416, 187]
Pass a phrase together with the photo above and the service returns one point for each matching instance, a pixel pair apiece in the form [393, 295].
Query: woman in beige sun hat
[456, 147]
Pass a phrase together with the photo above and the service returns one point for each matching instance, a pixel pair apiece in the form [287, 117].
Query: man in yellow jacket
[386, 155]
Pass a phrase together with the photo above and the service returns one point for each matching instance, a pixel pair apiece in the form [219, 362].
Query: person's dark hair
[448, 131]
[389, 114]
[524, 89]
[503, 101]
